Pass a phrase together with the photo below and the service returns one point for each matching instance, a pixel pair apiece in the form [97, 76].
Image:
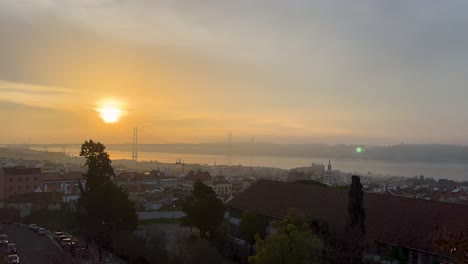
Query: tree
[452, 244]
[200, 250]
[194, 250]
[293, 244]
[156, 243]
[251, 224]
[355, 227]
[203, 209]
[102, 200]
[295, 217]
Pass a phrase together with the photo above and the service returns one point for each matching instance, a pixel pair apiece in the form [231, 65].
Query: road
[32, 248]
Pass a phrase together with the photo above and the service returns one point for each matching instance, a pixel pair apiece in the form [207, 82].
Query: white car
[42, 231]
[3, 239]
[13, 259]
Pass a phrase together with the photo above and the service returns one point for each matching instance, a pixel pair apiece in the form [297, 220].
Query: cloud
[381, 69]
[36, 95]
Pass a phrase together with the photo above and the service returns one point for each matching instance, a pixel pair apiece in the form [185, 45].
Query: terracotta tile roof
[220, 180]
[130, 176]
[21, 170]
[54, 176]
[197, 175]
[393, 220]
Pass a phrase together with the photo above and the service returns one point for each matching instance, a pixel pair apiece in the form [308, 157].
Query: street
[32, 248]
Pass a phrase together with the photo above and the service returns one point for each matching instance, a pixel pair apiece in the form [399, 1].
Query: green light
[358, 149]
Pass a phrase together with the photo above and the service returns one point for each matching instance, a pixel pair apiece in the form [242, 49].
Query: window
[27, 187]
[19, 179]
[35, 186]
[27, 179]
[35, 178]
[11, 188]
[19, 187]
[11, 179]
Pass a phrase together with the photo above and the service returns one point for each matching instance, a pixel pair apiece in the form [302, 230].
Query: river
[453, 171]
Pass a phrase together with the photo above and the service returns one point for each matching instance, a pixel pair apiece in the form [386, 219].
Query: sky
[282, 71]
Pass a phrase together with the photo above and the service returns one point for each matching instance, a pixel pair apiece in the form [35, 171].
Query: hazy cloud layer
[310, 71]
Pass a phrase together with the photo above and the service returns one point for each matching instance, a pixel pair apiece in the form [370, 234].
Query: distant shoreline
[402, 153]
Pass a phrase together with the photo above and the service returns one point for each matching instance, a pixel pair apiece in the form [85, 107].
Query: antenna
[229, 149]
[135, 144]
[252, 150]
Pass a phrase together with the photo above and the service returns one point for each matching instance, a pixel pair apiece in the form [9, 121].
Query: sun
[110, 111]
[110, 114]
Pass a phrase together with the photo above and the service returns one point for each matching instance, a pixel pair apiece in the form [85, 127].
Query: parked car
[3, 239]
[57, 234]
[64, 241]
[42, 231]
[11, 248]
[59, 238]
[34, 227]
[12, 259]
[69, 246]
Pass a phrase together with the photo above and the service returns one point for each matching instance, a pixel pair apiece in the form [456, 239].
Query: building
[153, 201]
[68, 184]
[222, 186]
[403, 224]
[187, 180]
[18, 180]
[330, 177]
[240, 185]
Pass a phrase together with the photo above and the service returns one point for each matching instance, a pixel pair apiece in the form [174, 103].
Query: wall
[19, 184]
[160, 215]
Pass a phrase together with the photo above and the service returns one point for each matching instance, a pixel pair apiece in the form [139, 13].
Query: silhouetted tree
[101, 199]
[251, 224]
[355, 228]
[203, 209]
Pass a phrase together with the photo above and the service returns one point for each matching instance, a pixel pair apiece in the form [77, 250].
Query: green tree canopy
[101, 199]
[453, 244]
[251, 224]
[294, 243]
[203, 209]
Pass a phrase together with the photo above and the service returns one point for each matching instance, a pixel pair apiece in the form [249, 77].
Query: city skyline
[367, 72]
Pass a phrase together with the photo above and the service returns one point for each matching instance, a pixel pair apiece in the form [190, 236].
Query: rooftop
[197, 175]
[21, 170]
[55, 176]
[394, 220]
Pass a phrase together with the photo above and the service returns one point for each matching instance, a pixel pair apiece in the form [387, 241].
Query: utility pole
[135, 144]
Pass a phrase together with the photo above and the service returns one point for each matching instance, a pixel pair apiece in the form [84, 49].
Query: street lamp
[173, 209]
[113, 238]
